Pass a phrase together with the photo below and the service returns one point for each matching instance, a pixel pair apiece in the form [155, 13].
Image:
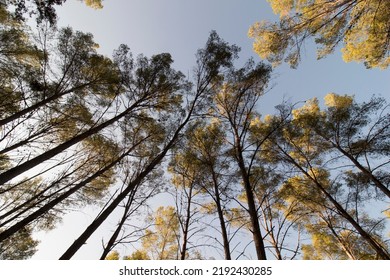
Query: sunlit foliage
[361, 27]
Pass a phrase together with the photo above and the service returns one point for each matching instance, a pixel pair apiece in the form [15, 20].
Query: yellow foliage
[222, 99]
[268, 118]
[95, 4]
[310, 108]
[270, 42]
[215, 121]
[387, 213]
[255, 122]
[338, 101]
[208, 208]
[281, 7]
[137, 255]
[361, 26]
[113, 256]
[162, 243]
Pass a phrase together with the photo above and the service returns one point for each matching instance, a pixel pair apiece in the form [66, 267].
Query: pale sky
[180, 27]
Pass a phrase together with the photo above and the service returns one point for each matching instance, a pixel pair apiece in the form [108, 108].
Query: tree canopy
[44, 9]
[188, 165]
[361, 27]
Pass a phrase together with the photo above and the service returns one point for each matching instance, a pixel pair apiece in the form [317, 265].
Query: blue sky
[180, 27]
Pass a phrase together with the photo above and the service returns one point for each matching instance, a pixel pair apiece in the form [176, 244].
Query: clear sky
[180, 27]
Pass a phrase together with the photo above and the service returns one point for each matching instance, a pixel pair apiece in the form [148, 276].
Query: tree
[343, 126]
[140, 97]
[162, 243]
[184, 179]
[215, 57]
[159, 243]
[45, 10]
[21, 246]
[134, 206]
[299, 146]
[361, 26]
[84, 131]
[278, 218]
[202, 161]
[235, 107]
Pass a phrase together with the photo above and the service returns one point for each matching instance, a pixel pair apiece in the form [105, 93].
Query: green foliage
[44, 10]
[21, 246]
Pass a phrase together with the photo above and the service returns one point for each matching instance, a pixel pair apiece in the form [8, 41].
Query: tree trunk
[110, 208]
[252, 209]
[379, 249]
[104, 214]
[17, 170]
[39, 104]
[366, 172]
[21, 224]
[186, 225]
[225, 239]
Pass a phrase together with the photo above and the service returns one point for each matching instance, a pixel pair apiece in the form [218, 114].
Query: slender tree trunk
[340, 240]
[225, 239]
[374, 244]
[39, 104]
[111, 243]
[252, 209]
[104, 215]
[33, 216]
[110, 208]
[366, 172]
[17, 170]
[269, 226]
[186, 226]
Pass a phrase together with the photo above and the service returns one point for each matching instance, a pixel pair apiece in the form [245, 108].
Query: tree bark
[379, 249]
[252, 209]
[186, 226]
[17, 170]
[80, 241]
[33, 216]
[366, 172]
[225, 238]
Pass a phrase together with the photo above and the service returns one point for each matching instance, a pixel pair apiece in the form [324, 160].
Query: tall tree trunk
[33, 216]
[110, 208]
[17, 170]
[80, 241]
[186, 226]
[252, 209]
[374, 244]
[345, 248]
[225, 238]
[366, 172]
[111, 243]
[370, 240]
